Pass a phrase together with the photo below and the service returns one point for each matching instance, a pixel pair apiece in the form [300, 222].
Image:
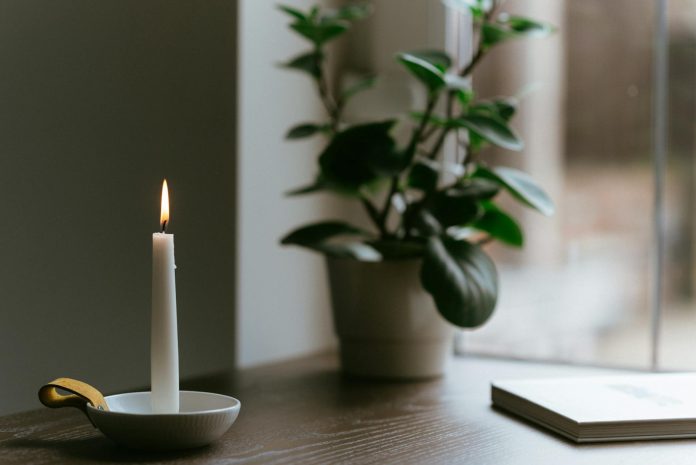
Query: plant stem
[430, 106]
[470, 159]
[410, 151]
[426, 134]
[469, 68]
[333, 108]
[438, 145]
[373, 213]
[480, 50]
[384, 216]
[443, 134]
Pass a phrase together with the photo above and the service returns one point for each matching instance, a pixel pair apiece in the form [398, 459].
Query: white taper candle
[164, 347]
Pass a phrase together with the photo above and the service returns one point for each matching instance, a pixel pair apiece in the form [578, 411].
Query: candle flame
[164, 212]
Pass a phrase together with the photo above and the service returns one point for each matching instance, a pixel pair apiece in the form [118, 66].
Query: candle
[164, 349]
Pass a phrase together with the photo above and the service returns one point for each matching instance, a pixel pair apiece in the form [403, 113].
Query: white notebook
[613, 408]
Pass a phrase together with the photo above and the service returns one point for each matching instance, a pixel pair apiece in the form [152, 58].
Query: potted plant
[398, 287]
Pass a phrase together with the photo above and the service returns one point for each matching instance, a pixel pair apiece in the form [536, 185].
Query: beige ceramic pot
[386, 322]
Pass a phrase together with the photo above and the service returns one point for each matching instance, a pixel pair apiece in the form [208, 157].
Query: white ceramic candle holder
[128, 420]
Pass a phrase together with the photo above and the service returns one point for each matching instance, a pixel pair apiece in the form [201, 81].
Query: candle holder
[127, 419]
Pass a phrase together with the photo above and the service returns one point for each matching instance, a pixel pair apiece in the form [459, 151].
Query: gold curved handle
[80, 395]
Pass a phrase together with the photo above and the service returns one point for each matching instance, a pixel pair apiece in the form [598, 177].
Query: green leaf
[316, 237]
[355, 250]
[462, 233]
[320, 33]
[457, 82]
[359, 86]
[476, 142]
[422, 222]
[526, 26]
[492, 129]
[462, 280]
[353, 12]
[499, 225]
[399, 249]
[307, 62]
[512, 27]
[503, 109]
[506, 108]
[423, 176]
[465, 96]
[305, 130]
[454, 207]
[361, 155]
[297, 14]
[437, 58]
[427, 73]
[432, 119]
[316, 186]
[460, 205]
[316, 233]
[476, 188]
[521, 186]
[493, 34]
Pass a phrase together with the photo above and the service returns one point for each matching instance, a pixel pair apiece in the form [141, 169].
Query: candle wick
[164, 226]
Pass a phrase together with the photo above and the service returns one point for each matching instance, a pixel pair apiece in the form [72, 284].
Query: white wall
[283, 304]
[98, 102]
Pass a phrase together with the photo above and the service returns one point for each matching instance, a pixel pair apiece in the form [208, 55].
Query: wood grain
[305, 412]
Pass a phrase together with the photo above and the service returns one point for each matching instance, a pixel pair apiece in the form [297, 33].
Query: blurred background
[100, 101]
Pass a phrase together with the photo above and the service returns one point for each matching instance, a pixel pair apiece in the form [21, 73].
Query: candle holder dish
[128, 420]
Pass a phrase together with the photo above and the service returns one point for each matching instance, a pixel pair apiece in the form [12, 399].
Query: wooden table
[305, 412]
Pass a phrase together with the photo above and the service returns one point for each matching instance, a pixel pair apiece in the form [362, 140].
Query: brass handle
[80, 395]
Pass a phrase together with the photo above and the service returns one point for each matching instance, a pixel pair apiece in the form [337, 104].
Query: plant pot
[387, 324]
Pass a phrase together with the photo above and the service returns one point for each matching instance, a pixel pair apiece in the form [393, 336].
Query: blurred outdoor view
[581, 288]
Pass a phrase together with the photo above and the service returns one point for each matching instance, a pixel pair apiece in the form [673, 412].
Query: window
[585, 286]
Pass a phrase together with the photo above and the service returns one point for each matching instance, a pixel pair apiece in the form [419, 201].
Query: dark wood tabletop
[305, 412]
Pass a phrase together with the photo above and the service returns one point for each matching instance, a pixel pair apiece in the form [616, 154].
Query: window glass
[581, 288]
[676, 347]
